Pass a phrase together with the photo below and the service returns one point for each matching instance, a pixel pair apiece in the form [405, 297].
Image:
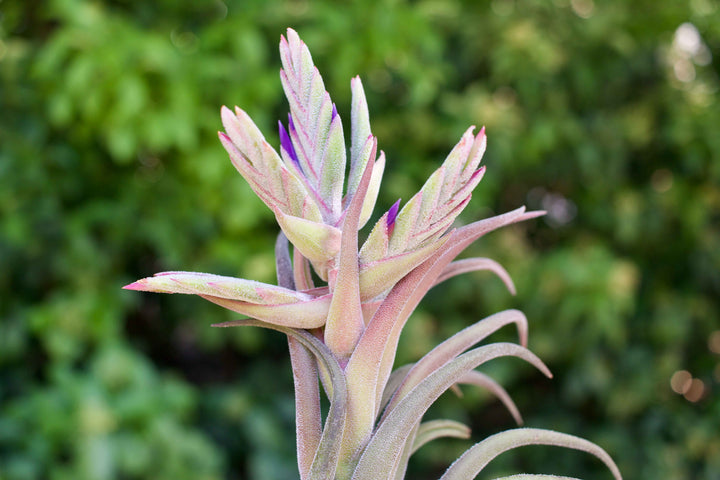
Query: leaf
[373, 189]
[327, 454]
[400, 468]
[394, 381]
[441, 199]
[283, 264]
[454, 346]
[345, 321]
[263, 169]
[308, 417]
[359, 133]
[389, 438]
[474, 264]
[434, 429]
[307, 314]
[196, 283]
[371, 362]
[481, 380]
[477, 457]
[315, 130]
[318, 242]
[379, 276]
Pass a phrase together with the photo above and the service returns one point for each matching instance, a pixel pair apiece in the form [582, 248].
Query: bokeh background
[603, 112]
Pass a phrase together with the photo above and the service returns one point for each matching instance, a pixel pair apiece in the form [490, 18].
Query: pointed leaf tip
[134, 286]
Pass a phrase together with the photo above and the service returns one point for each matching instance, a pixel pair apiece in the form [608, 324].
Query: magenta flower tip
[334, 113]
[392, 214]
[286, 143]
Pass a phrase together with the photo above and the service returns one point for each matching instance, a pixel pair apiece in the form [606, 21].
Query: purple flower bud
[392, 215]
[334, 113]
[286, 143]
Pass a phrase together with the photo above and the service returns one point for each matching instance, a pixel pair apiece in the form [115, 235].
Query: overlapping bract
[345, 334]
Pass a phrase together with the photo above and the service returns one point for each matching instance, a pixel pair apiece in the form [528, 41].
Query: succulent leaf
[196, 283]
[318, 242]
[445, 194]
[394, 381]
[308, 416]
[477, 457]
[454, 346]
[317, 135]
[475, 264]
[389, 439]
[283, 264]
[305, 314]
[371, 362]
[327, 454]
[481, 380]
[434, 429]
[262, 167]
[359, 133]
[373, 188]
[379, 276]
[345, 321]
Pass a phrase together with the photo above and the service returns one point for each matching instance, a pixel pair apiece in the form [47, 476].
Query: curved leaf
[196, 283]
[345, 321]
[455, 345]
[371, 362]
[315, 127]
[308, 416]
[307, 314]
[474, 264]
[328, 450]
[481, 380]
[318, 242]
[394, 381]
[283, 264]
[388, 441]
[477, 457]
[433, 429]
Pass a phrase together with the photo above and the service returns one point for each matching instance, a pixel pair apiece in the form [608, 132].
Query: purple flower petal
[287, 145]
[334, 113]
[392, 214]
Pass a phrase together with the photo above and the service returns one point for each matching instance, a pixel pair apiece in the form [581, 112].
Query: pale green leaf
[434, 429]
[477, 457]
[388, 440]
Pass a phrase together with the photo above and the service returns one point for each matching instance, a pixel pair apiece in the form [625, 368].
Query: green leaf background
[110, 170]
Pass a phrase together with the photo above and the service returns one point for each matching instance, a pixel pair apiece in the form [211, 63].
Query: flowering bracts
[344, 333]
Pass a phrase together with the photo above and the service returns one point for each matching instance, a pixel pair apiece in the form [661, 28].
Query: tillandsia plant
[344, 333]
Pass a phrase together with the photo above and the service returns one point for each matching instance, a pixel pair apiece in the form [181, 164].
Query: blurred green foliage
[603, 113]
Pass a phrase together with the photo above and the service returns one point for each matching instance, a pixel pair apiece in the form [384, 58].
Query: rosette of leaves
[344, 333]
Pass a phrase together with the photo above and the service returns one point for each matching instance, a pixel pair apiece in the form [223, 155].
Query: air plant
[344, 333]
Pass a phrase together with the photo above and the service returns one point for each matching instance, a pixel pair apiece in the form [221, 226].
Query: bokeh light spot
[696, 390]
[681, 381]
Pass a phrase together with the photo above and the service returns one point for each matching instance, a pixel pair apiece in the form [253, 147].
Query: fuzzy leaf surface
[477, 457]
[389, 439]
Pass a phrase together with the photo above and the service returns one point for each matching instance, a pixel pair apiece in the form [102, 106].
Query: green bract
[345, 333]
